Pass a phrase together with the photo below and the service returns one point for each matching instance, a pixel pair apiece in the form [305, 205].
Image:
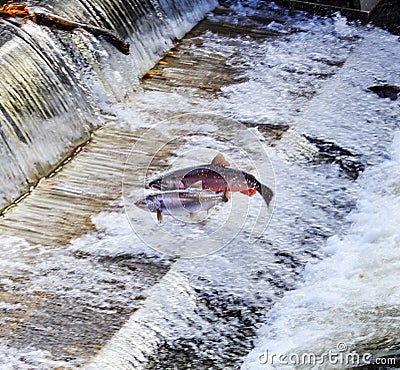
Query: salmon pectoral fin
[226, 195]
[249, 192]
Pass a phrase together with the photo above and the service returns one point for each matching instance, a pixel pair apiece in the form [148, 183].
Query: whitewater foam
[349, 295]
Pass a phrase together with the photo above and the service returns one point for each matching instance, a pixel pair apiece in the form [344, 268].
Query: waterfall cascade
[54, 84]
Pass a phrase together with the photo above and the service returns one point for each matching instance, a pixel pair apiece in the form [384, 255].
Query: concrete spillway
[53, 83]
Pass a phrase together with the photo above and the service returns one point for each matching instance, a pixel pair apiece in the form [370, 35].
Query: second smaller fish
[181, 201]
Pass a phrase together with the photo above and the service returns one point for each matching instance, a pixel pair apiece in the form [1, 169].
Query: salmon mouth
[155, 184]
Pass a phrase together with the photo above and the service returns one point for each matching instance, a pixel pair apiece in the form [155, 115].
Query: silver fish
[178, 202]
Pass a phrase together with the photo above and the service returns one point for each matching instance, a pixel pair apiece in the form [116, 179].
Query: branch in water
[49, 20]
[53, 21]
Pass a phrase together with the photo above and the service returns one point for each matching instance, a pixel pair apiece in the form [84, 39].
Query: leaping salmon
[178, 202]
[215, 177]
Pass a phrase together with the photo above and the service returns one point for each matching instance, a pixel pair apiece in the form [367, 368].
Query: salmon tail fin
[266, 193]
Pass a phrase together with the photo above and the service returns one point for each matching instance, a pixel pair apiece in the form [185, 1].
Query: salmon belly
[214, 187]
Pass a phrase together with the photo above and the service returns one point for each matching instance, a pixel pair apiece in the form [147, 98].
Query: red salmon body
[216, 177]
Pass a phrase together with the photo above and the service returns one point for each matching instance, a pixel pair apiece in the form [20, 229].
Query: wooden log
[53, 21]
[59, 23]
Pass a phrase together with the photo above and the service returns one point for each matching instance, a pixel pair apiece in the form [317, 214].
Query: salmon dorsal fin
[219, 160]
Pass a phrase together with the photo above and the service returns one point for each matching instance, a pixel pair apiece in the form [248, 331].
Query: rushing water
[54, 83]
[314, 78]
[323, 272]
[39, 93]
[350, 298]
